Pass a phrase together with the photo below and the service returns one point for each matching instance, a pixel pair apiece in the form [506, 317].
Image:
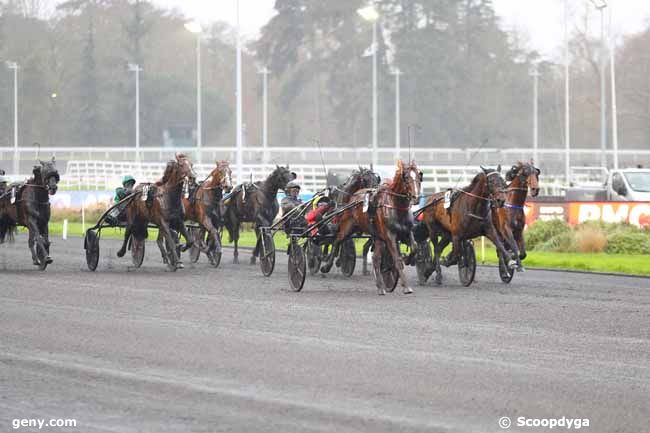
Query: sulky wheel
[314, 256]
[348, 257]
[423, 261]
[91, 245]
[389, 272]
[297, 266]
[505, 272]
[137, 251]
[267, 259]
[467, 263]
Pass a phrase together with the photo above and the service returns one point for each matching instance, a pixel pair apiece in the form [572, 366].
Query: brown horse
[469, 216]
[160, 204]
[510, 219]
[388, 220]
[28, 204]
[205, 206]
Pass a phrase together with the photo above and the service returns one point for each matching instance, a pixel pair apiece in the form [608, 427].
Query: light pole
[15, 67]
[265, 115]
[195, 27]
[612, 63]
[398, 131]
[370, 14]
[535, 74]
[601, 5]
[137, 69]
[567, 116]
[240, 135]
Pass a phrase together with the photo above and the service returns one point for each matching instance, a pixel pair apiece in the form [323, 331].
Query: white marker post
[65, 230]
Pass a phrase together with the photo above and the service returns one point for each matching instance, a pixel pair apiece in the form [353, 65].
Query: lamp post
[567, 117]
[601, 5]
[265, 114]
[612, 63]
[240, 134]
[370, 14]
[398, 133]
[14, 66]
[137, 69]
[195, 27]
[535, 74]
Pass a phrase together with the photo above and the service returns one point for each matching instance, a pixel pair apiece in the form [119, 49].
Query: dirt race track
[205, 350]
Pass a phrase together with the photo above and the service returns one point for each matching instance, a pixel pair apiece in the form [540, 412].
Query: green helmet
[128, 178]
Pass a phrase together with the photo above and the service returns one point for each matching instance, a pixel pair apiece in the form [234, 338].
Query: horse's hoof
[407, 290]
[35, 262]
[381, 292]
[49, 260]
[438, 279]
[253, 260]
[512, 264]
[121, 253]
[521, 269]
[180, 265]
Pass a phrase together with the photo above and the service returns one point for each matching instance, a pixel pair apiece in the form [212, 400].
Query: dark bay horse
[160, 204]
[256, 203]
[469, 216]
[206, 208]
[388, 220]
[28, 204]
[510, 219]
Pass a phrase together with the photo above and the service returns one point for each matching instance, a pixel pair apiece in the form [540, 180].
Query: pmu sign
[636, 213]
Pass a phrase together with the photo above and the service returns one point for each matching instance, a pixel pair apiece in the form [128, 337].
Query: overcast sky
[540, 20]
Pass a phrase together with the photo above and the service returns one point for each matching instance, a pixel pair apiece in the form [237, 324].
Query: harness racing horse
[160, 204]
[388, 220]
[205, 207]
[28, 205]
[255, 203]
[359, 179]
[510, 219]
[469, 216]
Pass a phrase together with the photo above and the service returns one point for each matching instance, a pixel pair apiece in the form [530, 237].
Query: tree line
[466, 80]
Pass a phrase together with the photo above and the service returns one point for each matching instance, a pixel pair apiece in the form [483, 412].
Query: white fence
[106, 175]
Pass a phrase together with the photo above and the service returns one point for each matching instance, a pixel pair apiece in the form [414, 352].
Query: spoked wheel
[91, 244]
[467, 263]
[423, 261]
[389, 272]
[197, 236]
[267, 261]
[214, 251]
[137, 251]
[41, 254]
[314, 256]
[505, 272]
[297, 266]
[348, 257]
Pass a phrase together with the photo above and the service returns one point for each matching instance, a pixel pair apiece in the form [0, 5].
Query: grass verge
[631, 264]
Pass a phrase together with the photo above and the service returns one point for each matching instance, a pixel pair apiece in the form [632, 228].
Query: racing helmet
[292, 184]
[126, 179]
[321, 200]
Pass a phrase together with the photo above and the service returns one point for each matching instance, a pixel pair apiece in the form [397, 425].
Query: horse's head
[410, 177]
[47, 175]
[281, 176]
[185, 167]
[526, 175]
[497, 188]
[369, 178]
[222, 176]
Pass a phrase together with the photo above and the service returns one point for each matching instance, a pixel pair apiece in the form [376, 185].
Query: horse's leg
[171, 241]
[258, 244]
[378, 251]
[491, 234]
[127, 234]
[366, 248]
[45, 233]
[160, 240]
[33, 238]
[391, 244]
[189, 240]
[509, 239]
[519, 238]
[343, 232]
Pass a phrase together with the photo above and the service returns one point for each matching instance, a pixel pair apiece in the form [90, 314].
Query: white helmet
[292, 184]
